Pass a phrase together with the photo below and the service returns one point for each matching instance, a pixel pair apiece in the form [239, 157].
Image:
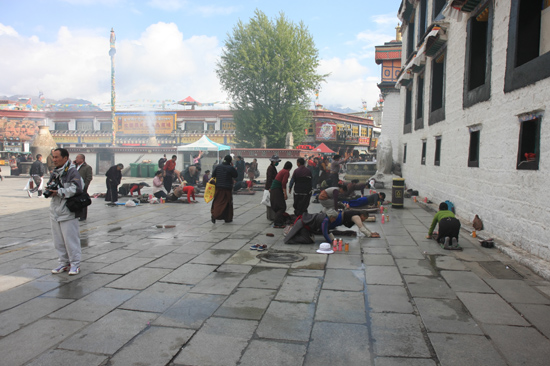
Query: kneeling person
[305, 226]
[449, 227]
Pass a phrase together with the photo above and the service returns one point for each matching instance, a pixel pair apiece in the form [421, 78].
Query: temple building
[474, 90]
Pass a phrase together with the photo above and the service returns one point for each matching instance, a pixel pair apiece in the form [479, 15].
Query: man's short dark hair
[159, 172]
[382, 195]
[336, 157]
[443, 206]
[301, 161]
[38, 156]
[288, 165]
[120, 165]
[174, 156]
[83, 156]
[64, 152]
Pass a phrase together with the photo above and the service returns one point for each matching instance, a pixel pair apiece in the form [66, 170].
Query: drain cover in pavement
[501, 271]
[281, 257]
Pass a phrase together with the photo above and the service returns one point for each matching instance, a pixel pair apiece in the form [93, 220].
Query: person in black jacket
[222, 204]
[241, 168]
[37, 173]
[301, 181]
[114, 176]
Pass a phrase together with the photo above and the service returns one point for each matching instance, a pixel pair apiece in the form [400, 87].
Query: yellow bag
[210, 190]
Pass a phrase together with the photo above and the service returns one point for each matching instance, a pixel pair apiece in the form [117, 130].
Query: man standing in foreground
[301, 180]
[87, 175]
[65, 228]
[37, 173]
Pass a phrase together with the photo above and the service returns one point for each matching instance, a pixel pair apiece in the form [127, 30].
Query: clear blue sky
[167, 49]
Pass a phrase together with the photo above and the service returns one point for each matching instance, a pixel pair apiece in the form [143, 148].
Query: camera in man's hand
[52, 186]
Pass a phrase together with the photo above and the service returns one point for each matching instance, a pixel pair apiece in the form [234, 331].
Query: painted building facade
[474, 94]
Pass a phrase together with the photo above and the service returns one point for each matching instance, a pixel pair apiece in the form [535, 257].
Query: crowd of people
[341, 202]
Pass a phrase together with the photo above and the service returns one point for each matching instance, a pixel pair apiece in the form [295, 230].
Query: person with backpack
[449, 228]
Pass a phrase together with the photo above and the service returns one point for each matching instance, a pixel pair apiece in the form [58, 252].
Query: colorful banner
[96, 139]
[325, 131]
[364, 141]
[160, 123]
[65, 139]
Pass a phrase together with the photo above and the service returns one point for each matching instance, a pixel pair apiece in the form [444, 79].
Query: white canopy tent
[204, 144]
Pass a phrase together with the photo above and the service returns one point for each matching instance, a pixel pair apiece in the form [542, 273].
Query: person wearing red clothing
[278, 195]
[190, 191]
[169, 173]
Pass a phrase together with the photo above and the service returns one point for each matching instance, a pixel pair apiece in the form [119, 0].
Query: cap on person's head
[144, 184]
[275, 158]
[332, 213]
[228, 158]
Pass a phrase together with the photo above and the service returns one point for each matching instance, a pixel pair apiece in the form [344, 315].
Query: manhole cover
[281, 257]
[501, 271]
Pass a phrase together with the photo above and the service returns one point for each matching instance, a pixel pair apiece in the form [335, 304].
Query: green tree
[268, 68]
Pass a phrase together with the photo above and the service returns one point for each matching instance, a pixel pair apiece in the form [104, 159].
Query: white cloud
[160, 64]
[386, 19]
[168, 5]
[348, 84]
[212, 10]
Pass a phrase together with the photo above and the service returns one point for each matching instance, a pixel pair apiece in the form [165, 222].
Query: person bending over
[449, 227]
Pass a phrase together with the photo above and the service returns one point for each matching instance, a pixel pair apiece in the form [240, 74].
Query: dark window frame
[474, 58]
[473, 149]
[59, 124]
[534, 124]
[437, 152]
[422, 20]
[438, 4]
[438, 115]
[424, 148]
[404, 153]
[420, 85]
[410, 36]
[407, 125]
[528, 73]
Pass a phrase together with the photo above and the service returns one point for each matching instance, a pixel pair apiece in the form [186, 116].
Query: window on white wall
[473, 152]
[529, 142]
[423, 161]
[404, 153]
[437, 156]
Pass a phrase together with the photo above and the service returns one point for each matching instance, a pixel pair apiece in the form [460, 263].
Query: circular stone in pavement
[278, 257]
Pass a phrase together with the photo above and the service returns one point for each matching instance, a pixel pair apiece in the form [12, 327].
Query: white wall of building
[513, 204]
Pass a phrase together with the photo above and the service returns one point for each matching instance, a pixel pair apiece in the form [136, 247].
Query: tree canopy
[268, 68]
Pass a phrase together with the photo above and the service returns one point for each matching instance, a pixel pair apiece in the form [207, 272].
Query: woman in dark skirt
[222, 204]
[114, 176]
[278, 195]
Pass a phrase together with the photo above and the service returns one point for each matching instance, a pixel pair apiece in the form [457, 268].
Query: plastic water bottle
[383, 218]
[381, 209]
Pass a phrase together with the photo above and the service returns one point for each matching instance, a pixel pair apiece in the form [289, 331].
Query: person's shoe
[261, 247]
[29, 193]
[60, 269]
[255, 246]
[213, 220]
[447, 243]
[74, 270]
[228, 221]
[82, 219]
[454, 243]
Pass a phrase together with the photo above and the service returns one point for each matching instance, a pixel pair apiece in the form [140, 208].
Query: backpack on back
[450, 206]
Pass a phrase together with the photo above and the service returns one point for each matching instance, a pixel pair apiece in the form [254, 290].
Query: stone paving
[197, 295]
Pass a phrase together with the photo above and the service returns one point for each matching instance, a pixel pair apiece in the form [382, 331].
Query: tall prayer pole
[112, 52]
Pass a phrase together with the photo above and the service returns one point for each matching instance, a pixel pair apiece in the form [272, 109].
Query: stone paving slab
[213, 256]
[110, 333]
[372, 259]
[391, 299]
[269, 353]
[298, 289]
[287, 321]
[462, 281]
[156, 298]
[55, 357]
[490, 309]
[219, 283]
[155, 346]
[383, 275]
[533, 350]
[398, 335]
[410, 252]
[341, 307]
[81, 286]
[422, 286]
[189, 273]
[393, 361]
[348, 345]
[140, 279]
[517, 291]
[246, 303]
[446, 316]
[344, 280]
[261, 277]
[220, 342]
[124, 266]
[191, 311]
[344, 261]
[537, 315]
[95, 305]
[171, 260]
[465, 350]
[16, 318]
[28, 342]
[420, 267]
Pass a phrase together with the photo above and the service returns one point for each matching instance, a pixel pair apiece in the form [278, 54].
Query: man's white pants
[66, 240]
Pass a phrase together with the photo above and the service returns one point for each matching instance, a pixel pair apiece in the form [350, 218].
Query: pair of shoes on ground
[451, 244]
[258, 247]
[73, 270]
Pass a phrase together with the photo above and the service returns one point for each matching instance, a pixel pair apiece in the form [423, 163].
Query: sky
[168, 49]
